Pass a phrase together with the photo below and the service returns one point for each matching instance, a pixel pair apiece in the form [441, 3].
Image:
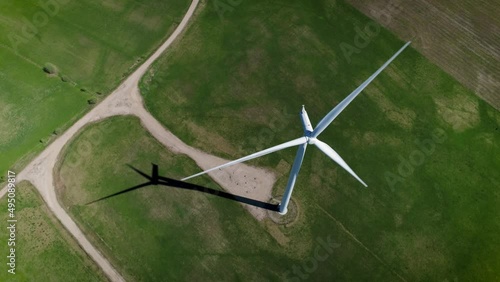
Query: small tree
[50, 68]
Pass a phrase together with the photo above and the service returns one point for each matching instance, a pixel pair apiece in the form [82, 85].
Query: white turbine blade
[323, 124]
[336, 157]
[292, 143]
[292, 178]
[306, 123]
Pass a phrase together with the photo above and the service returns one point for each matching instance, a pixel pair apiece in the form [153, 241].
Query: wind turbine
[310, 137]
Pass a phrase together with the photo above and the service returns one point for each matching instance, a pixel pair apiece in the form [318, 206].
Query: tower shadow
[156, 179]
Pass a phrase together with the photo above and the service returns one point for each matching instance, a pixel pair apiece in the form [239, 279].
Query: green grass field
[93, 46]
[44, 251]
[28, 101]
[243, 78]
[162, 233]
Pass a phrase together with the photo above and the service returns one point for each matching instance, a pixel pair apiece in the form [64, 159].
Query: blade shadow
[155, 179]
[121, 192]
[189, 186]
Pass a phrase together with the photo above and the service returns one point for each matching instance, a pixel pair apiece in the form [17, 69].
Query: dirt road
[126, 100]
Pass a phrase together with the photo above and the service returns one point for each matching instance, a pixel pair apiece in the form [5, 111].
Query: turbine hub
[311, 140]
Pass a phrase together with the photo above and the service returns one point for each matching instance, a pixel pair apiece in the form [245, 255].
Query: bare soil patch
[461, 37]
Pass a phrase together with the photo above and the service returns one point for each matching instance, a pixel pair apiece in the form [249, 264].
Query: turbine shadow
[155, 179]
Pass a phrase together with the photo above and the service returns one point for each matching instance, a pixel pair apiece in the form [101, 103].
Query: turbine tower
[310, 138]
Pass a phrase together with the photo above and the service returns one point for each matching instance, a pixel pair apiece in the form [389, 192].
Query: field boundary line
[353, 237]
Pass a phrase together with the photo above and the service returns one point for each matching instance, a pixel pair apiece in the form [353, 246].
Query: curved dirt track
[126, 100]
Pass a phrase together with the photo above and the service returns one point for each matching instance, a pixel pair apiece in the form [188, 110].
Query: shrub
[91, 101]
[50, 68]
[65, 78]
